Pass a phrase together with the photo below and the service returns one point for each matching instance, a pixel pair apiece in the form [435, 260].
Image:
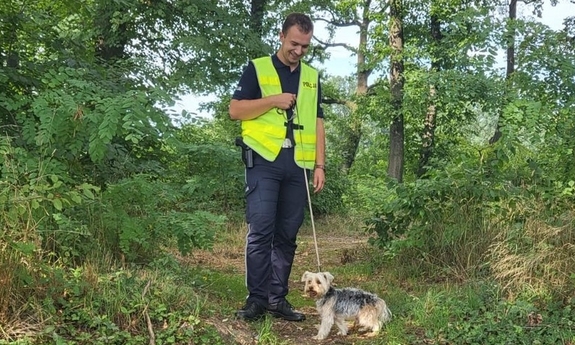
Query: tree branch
[339, 24]
[328, 45]
[351, 105]
[372, 88]
[147, 316]
[327, 100]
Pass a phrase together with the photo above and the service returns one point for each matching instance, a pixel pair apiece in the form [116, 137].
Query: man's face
[295, 44]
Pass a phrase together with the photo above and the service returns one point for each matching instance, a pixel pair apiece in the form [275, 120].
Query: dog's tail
[384, 312]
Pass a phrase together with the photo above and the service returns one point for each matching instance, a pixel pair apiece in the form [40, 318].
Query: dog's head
[316, 284]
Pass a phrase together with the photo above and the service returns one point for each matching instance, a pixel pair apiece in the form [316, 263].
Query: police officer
[278, 102]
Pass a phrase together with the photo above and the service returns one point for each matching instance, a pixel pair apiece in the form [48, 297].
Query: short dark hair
[301, 20]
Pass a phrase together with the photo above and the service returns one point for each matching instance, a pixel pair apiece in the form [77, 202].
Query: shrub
[142, 216]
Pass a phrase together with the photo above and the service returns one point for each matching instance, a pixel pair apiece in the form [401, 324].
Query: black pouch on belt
[247, 153]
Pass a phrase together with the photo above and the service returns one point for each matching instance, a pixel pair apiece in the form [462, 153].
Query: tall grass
[535, 254]
[456, 239]
[466, 223]
[20, 242]
[525, 244]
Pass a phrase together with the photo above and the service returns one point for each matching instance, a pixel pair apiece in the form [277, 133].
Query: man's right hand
[285, 100]
[247, 109]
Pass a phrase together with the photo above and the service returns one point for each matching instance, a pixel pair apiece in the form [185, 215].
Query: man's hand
[318, 180]
[247, 109]
[284, 100]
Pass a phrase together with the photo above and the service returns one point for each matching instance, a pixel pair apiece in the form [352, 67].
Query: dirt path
[334, 250]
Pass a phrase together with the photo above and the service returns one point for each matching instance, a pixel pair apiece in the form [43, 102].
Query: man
[278, 101]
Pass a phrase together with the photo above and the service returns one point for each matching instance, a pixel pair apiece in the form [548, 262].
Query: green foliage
[410, 210]
[329, 200]
[205, 161]
[265, 334]
[49, 224]
[196, 230]
[506, 323]
[37, 228]
[90, 166]
[109, 309]
[140, 215]
[477, 315]
[469, 221]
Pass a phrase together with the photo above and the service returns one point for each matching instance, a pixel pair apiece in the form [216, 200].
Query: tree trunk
[396, 132]
[10, 54]
[510, 59]
[355, 129]
[428, 134]
[257, 16]
[511, 46]
[256, 25]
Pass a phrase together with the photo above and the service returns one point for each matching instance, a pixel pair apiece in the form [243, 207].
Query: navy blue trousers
[276, 197]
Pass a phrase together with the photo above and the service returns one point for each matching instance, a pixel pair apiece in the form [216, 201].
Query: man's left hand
[318, 180]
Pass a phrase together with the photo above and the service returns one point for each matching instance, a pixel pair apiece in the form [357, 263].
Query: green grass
[266, 334]
[109, 304]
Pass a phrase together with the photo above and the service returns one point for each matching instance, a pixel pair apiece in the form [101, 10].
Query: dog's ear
[328, 277]
[304, 277]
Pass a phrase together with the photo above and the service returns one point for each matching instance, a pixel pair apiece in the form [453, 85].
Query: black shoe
[285, 311]
[251, 311]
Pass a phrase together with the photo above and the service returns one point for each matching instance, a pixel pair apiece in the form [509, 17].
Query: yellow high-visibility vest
[266, 133]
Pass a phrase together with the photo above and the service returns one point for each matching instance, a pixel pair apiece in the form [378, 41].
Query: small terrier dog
[367, 310]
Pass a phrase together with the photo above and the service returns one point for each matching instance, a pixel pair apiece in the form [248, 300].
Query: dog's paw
[319, 337]
[341, 333]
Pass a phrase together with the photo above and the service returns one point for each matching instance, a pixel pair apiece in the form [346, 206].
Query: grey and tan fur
[338, 305]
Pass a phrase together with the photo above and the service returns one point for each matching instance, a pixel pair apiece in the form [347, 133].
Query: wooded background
[442, 155]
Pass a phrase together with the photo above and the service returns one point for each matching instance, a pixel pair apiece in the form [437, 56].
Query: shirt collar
[278, 64]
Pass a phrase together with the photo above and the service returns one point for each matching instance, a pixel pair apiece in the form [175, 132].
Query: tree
[511, 43]
[428, 133]
[396, 130]
[368, 17]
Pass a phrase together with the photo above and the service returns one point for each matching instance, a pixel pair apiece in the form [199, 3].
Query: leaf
[57, 202]
[88, 193]
[26, 248]
[76, 197]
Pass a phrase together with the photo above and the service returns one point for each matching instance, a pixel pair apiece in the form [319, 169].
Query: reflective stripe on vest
[266, 133]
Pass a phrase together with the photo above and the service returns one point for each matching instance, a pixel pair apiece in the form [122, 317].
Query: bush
[440, 221]
[141, 217]
[468, 222]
